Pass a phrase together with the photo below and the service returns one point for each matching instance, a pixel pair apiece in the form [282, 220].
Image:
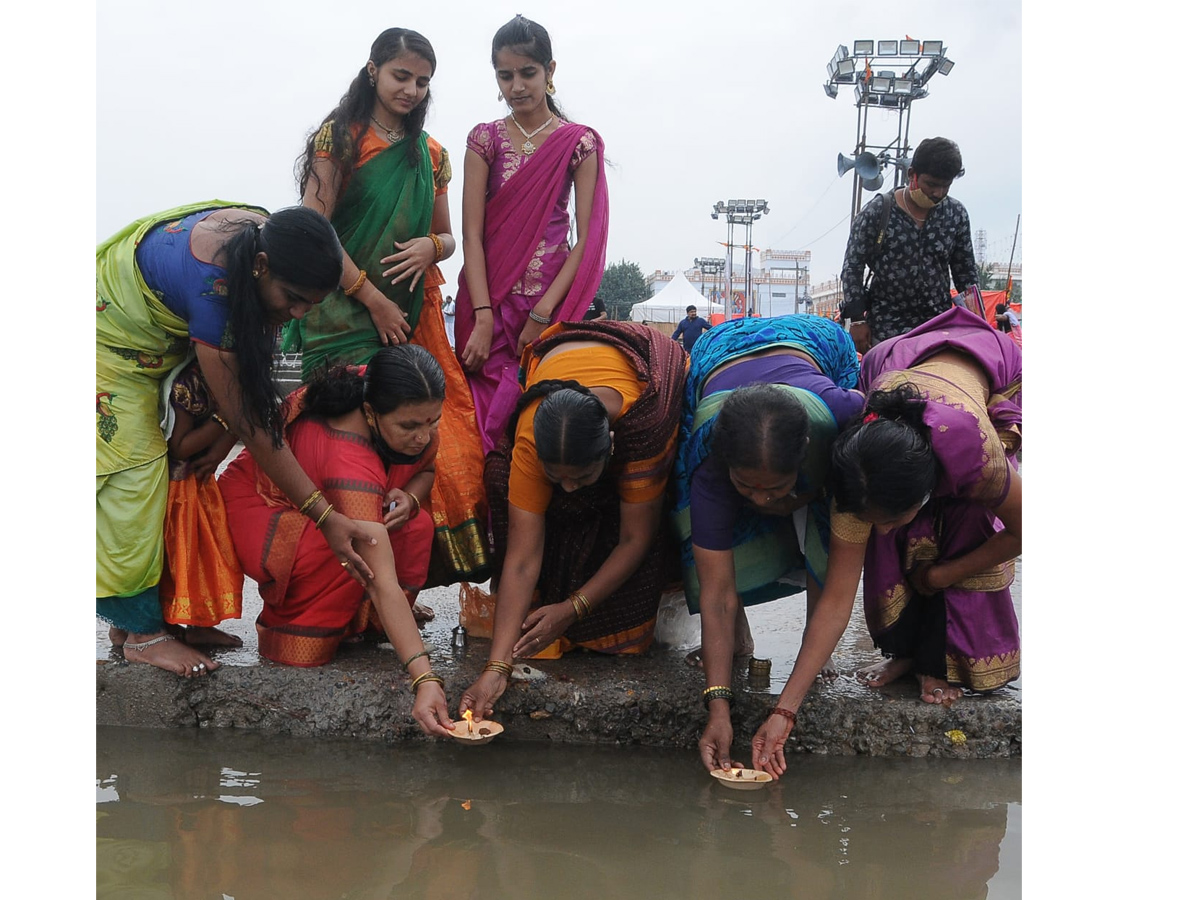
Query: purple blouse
[714, 499]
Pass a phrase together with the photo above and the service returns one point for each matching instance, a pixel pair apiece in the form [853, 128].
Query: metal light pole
[710, 265]
[886, 89]
[741, 212]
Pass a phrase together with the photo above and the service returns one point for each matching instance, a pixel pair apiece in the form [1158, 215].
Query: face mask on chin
[921, 199]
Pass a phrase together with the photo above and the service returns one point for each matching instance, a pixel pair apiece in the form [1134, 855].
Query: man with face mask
[927, 238]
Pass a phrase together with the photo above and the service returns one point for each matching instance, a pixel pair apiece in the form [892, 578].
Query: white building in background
[778, 287]
[782, 284]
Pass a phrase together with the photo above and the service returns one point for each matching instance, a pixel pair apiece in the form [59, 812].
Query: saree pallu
[387, 201]
[765, 548]
[582, 527]
[138, 342]
[514, 231]
[202, 580]
[970, 634]
[310, 602]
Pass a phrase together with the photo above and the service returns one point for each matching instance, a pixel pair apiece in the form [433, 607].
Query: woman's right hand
[480, 696]
[429, 709]
[340, 532]
[716, 741]
[390, 322]
[478, 347]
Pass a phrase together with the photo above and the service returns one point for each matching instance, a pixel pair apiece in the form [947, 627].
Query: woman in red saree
[382, 181]
[520, 272]
[368, 437]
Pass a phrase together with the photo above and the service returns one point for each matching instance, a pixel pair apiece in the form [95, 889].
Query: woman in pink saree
[520, 271]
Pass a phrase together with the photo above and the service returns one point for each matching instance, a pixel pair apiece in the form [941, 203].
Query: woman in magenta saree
[520, 271]
[927, 507]
[936, 585]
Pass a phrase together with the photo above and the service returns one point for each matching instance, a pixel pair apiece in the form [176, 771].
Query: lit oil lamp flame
[469, 716]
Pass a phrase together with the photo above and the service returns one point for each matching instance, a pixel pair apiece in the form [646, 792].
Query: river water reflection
[204, 814]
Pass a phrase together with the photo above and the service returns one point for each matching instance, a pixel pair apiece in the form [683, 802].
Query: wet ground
[582, 698]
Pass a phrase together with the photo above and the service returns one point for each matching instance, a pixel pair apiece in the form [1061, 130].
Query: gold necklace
[392, 134]
[527, 148]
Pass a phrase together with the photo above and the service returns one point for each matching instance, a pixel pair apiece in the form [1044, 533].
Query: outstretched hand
[481, 695]
[768, 743]
[429, 709]
[715, 743]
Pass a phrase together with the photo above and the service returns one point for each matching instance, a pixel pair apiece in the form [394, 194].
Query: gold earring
[549, 87]
[256, 273]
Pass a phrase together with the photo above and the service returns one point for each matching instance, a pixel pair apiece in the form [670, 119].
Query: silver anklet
[129, 645]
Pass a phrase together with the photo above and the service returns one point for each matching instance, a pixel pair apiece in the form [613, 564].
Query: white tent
[671, 303]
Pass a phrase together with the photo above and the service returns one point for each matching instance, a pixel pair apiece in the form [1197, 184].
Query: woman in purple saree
[520, 273]
[927, 506]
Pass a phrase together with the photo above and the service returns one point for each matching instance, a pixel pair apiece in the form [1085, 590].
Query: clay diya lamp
[742, 779]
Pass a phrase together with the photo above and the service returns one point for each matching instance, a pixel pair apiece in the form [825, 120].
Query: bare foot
[883, 672]
[117, 636]
[743, 642]
[196, 635]
[167, 653]
[936, 690]
[828, 669]
[421, 613]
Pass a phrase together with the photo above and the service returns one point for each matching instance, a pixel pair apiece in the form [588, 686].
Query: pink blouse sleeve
[482, 141]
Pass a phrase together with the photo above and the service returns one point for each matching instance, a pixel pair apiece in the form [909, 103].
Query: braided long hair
[884, 461]
[302, 249]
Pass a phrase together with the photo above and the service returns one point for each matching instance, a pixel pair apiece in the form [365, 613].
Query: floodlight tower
[741, 212]
[710, 265]
[886, 89]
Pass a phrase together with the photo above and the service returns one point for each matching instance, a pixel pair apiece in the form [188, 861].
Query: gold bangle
[220, 421]
[427, 676]
[354, 288]
[498, 665]
[408, 662]
[437, 246]
[581, 604]
[321, 518]
[308, 504]
[413, 498]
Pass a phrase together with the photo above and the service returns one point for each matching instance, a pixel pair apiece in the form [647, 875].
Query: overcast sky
[722, 101]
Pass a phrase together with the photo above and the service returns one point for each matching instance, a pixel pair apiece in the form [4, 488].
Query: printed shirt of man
[912, 269]
[690, 329]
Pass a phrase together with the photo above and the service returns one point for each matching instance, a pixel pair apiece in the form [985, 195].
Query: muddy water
[202, 814]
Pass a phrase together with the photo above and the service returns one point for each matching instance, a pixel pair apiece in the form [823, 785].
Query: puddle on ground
[241, 815]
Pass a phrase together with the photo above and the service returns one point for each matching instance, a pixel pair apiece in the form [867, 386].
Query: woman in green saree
[383, 182]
